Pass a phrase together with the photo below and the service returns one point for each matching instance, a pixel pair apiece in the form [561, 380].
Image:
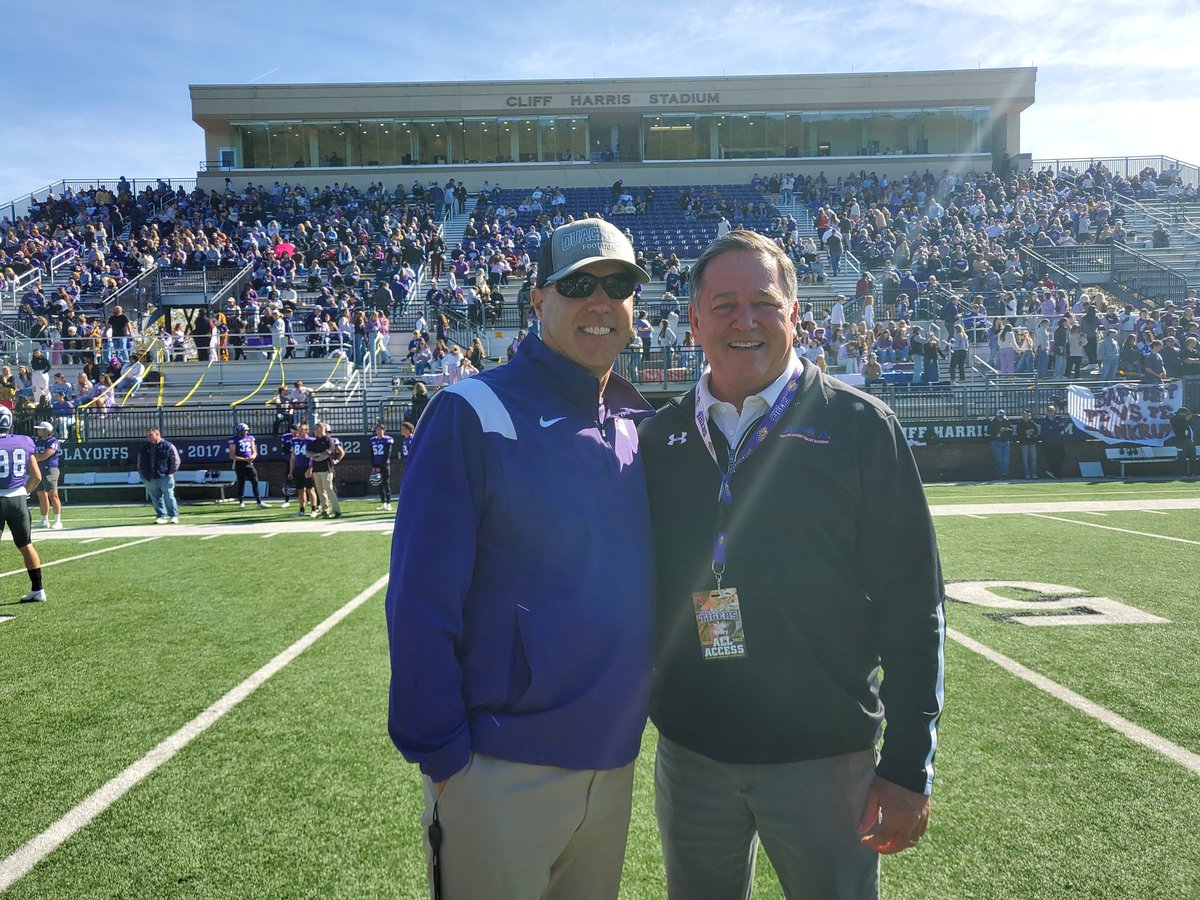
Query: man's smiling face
[745, 322]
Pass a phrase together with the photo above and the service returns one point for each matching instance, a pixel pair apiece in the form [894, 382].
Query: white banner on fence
[1126, 413]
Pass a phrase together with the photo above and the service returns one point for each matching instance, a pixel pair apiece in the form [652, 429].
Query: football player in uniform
[46, 452]
[243, 451]
[381, 465]
[300, 468]
[407, 429]
[19, 474]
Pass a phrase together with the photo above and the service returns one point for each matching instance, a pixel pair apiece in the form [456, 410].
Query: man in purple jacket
[519, 608]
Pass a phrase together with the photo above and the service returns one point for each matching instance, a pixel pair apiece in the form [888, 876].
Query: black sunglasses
[618, 286]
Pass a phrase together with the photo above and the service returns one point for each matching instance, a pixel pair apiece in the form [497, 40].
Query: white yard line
[270, 534]
[91, 540]
[1135, 733]
[17, 865]
[329, 534]
[1156, 512]
[997, 509]
[4, 619]
[1161, 537]
[233, 529]
[209, 537]
[67, 559]
[981, 518]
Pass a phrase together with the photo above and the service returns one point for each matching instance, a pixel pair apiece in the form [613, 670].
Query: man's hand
[893, 818]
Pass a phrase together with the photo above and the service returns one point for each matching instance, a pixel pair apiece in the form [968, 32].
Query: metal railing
[61, 259]
[1143, 278]
[354, 415]
[1125, 166]
[27, 280]
[135, 296]
[19, 207]
[207, 281]
[1042, 266]
[667, 368]
[193, 421]
[945, 401]
[1134, 274]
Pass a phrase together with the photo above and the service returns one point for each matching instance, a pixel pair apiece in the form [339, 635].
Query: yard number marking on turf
[1135, 733]
[17, 865]
[1161, 537]
[59, 562]
[1082, 610]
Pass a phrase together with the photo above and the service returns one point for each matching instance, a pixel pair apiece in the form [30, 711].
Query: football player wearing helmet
[19, 474]
[46, 451]
[243, 451]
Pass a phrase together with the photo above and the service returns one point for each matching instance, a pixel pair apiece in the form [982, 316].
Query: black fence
[676, 367]
[945, 401]
[1134, 275]
[674, 370]
[195, 421]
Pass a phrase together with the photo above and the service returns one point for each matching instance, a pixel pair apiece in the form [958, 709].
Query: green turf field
[296, 791]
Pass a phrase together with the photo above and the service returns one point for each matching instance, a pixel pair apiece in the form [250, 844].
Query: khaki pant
[512, 831]
[327, 498]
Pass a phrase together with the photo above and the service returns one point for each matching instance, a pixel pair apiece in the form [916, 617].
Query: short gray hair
[743, 241]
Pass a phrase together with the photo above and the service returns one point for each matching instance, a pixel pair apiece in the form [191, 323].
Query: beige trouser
[512, 831]
[327, 498]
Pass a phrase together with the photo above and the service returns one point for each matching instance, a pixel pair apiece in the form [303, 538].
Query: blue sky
[101, 90]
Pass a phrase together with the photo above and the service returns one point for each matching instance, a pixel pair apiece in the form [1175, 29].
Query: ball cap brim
[573, 246]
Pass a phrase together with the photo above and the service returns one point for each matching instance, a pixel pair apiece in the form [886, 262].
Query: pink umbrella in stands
[284, 248]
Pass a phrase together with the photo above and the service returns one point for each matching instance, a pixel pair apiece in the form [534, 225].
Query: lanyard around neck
[753, 441]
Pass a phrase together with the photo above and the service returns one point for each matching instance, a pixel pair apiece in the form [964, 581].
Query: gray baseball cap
[573, 246]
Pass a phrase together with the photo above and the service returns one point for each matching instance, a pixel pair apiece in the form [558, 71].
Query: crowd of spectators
[333, 266]
[952, 244]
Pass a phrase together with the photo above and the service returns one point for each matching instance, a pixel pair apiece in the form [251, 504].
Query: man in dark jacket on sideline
[157, 462]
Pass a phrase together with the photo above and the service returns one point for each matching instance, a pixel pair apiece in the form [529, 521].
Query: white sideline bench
[1129, 456]
[85, 481]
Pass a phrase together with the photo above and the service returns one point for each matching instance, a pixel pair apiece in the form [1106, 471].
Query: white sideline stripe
[981, 518]
[1156, 512]
[91, 540]
[1072, 506]
[18, 864]
[67, 559]
[1161, 537]
[329, 534]
[270, 534]
[209, 537]
[1090, 513]
[1135, 733]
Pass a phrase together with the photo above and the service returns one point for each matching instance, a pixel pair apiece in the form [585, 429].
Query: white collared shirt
[725, 416]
